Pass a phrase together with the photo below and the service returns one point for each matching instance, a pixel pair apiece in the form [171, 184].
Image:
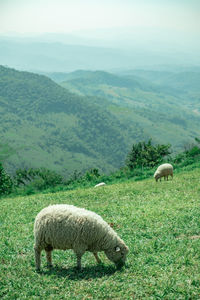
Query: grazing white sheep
[100, 184]
[65, 226]
[163, 170]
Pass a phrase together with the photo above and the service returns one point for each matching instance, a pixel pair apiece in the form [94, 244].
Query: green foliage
[144, 154]
[91, 175]
[6, 183]
[189, 155]
[38, 179]
[193, 152]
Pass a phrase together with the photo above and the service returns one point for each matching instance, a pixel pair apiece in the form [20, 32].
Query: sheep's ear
[117, 249]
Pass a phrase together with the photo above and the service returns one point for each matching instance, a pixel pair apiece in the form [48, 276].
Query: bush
[91, 175]
[6, 183]
[38, 179]
[146, 155]
[193, 152]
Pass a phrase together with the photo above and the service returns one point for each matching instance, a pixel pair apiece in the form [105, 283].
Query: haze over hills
[107, 49]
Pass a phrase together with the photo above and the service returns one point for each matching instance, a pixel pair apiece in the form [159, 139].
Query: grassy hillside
[160, 222]
[167, 114]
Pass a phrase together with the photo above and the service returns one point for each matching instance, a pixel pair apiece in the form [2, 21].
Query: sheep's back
[62, 225]
[165, 169]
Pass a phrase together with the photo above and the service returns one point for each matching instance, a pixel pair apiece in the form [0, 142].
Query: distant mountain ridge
[56, 56]
[119, 50]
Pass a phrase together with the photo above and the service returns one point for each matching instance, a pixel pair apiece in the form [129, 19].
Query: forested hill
[148, 100]
[48, 126]
[51, 126]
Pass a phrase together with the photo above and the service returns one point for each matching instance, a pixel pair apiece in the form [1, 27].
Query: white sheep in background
[65, 226]
[163, 170]
[100, 184]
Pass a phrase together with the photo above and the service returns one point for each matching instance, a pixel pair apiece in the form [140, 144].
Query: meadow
[160, 222]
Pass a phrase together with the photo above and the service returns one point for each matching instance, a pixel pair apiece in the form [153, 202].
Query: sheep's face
[157, 176]
[118, 255]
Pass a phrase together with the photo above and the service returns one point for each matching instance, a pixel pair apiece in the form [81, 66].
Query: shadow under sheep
[86, 272]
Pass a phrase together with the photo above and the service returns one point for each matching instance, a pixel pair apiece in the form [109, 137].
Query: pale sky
[65, 16]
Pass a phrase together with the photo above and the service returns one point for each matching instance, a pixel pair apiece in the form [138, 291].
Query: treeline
[140, 163]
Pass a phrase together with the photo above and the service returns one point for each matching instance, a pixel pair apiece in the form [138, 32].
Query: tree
[40, 178]
[144, 154]
[5, 181]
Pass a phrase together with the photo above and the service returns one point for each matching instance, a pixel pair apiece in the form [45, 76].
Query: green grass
[160, 222]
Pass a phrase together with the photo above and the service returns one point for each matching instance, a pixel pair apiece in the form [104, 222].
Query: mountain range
[90, 119]
[107, 50]
[166, 105]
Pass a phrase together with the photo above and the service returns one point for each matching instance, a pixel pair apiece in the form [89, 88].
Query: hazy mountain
[183, 82]
[169, 114]
[51, 57]
[184, 78]
[100, 49]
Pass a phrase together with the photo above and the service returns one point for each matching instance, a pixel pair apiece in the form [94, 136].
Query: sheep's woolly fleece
[64, 227]
[163, 171]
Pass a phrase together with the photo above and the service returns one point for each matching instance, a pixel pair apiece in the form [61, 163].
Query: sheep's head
[157, 175]
[118, 254]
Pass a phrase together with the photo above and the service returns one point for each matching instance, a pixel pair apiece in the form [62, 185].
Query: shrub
[6, 183]
[39, 179]
[91, 175]
[193, 152]
[146, 155]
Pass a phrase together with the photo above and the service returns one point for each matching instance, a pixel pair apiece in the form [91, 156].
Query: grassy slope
[160, 222]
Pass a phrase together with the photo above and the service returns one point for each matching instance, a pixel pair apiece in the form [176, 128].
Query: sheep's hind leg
[48, 250]
[49, 258]
[96, 257]
[37, 258]
[79, 256]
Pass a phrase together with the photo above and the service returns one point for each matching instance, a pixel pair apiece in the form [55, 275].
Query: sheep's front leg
[79, 251]
[96, 257]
